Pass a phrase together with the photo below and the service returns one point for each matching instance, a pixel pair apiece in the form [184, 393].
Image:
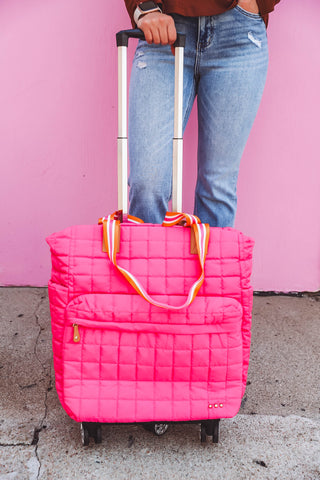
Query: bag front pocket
[163, 366]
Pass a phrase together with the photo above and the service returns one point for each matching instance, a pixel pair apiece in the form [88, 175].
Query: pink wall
[58, 131]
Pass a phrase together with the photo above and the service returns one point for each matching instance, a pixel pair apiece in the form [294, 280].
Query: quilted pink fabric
[137, 362]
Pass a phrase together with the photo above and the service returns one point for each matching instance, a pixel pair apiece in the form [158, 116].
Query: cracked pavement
[26, 378]
[275, 436]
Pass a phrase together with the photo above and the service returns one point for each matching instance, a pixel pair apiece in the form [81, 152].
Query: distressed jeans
[225, 66]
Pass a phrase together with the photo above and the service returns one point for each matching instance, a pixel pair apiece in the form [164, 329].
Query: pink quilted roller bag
[153, 332]
[150, 323]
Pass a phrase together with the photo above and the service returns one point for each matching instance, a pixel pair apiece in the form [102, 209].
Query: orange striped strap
[111, 230]
[118, 216]
[174, 218]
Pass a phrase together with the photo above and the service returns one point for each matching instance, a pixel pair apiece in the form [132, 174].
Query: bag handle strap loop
[111, 233]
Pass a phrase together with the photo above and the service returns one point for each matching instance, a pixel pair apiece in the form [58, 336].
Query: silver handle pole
[122, 42]
[177, 135]
[122, 131]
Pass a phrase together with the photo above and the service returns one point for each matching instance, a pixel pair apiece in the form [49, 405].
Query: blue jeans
[226, 59]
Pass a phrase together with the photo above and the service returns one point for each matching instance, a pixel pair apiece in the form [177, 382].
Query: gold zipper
[76, 334]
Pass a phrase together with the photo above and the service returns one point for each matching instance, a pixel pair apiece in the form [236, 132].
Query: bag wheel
[98, 436]
[203, 433]
[210, 428]
[90, 430]
[156, 428]
[85, 438]
[160, 428]
[215, 431]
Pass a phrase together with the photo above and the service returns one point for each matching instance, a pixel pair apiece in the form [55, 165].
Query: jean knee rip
[141, 64]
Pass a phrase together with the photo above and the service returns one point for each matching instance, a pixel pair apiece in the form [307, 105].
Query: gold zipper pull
[76, 334]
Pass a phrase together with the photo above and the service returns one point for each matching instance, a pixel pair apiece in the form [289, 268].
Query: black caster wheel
[210, 428]
[215, 431]
[98, 437]
[90, 430]
[160, 428]
[203, 434]
[85, 437]
[156, 428]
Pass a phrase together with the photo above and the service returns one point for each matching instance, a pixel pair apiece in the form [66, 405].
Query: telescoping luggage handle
[122, 44]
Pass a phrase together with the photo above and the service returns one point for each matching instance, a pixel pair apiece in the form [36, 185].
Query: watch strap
[139, 13]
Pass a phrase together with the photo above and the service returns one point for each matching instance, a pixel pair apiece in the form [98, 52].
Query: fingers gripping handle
[122, 44]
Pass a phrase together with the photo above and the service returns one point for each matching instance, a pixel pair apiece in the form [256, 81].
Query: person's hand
[249, 5]
[158, 28]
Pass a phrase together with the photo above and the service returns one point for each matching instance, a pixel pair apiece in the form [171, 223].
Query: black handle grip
[124, 35]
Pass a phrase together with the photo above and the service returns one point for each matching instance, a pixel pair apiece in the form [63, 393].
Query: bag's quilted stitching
[153, 254]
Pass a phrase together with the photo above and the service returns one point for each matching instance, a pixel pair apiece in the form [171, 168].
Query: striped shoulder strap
[111, 232]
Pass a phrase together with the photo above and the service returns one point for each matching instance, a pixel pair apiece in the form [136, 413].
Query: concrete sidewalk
[275, 436]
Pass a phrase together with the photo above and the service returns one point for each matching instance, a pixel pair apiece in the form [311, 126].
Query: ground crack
[37, 317]
[47, 371]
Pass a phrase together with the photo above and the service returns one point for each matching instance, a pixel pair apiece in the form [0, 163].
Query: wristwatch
[145, 7]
